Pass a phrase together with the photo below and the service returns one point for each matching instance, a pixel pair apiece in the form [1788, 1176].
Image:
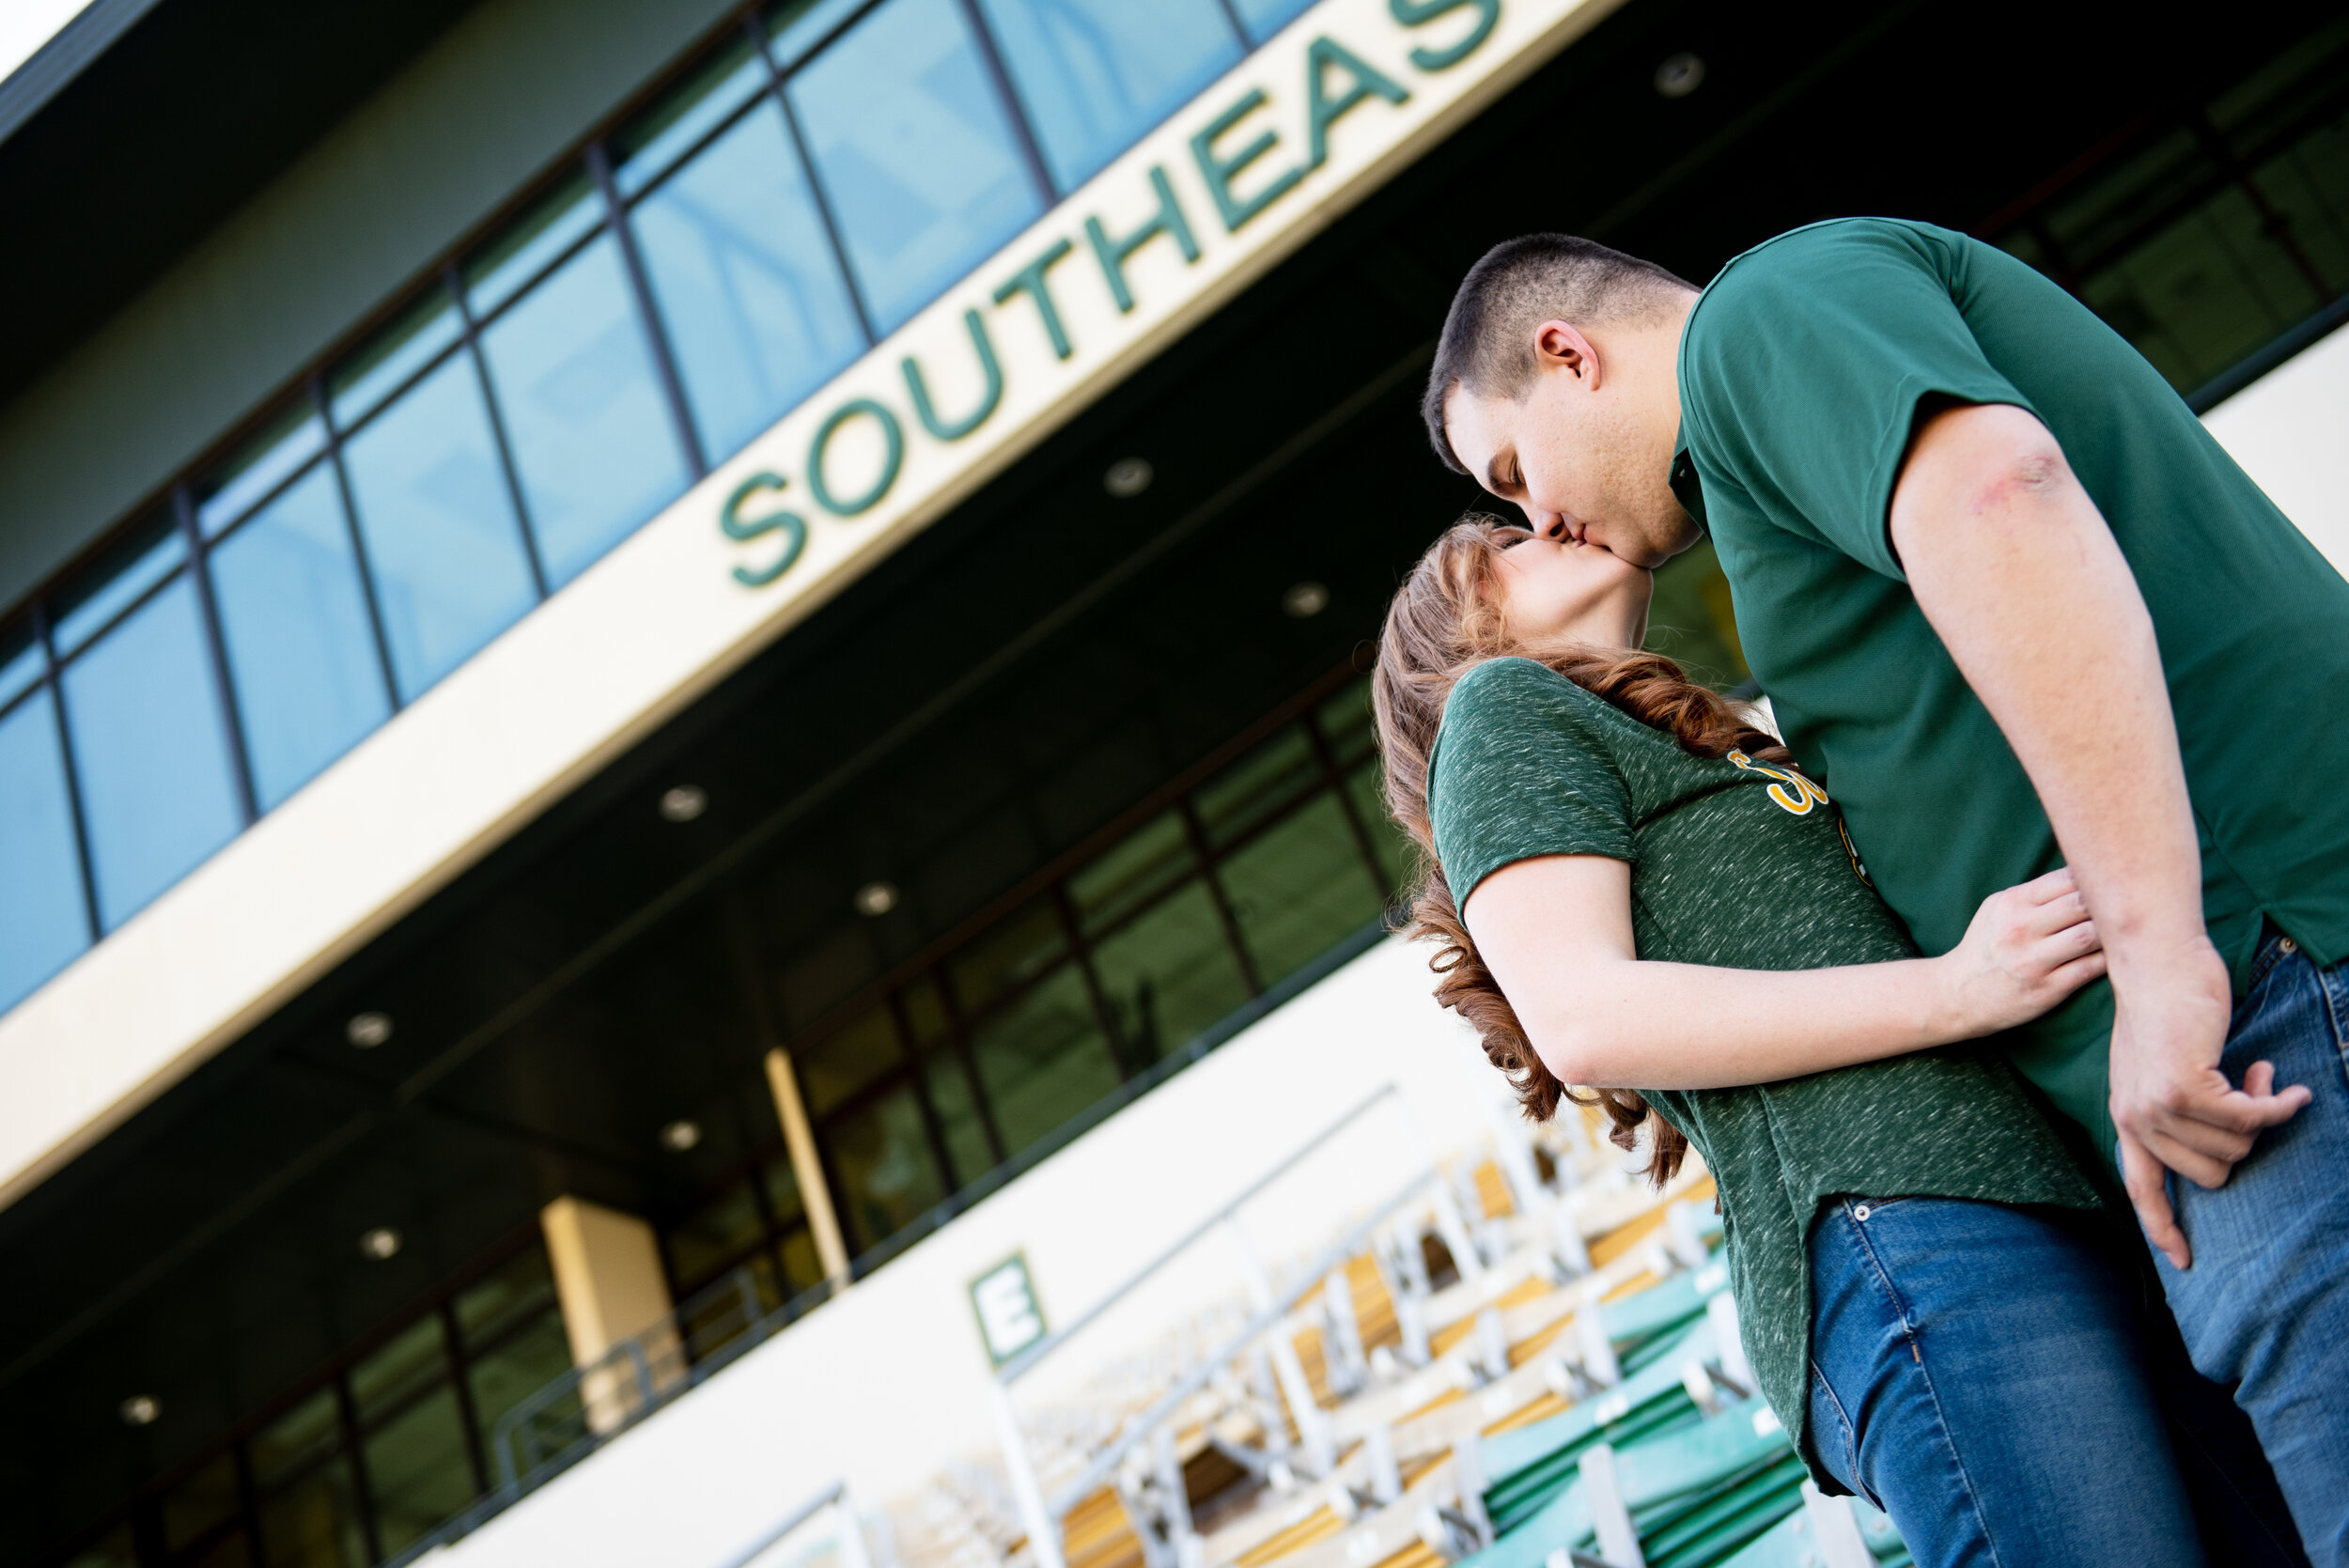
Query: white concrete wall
[884, 1386]
[2290, 430]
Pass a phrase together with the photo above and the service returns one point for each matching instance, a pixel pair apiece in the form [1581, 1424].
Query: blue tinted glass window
[756, 311]
[916, 152]
[1095, 75]
[1264, 18]
[797, 26]
[441, 537]
[387, 360]
[263, 463]
[300, 652]
[644, 147]
[530, 244]
[21, 662]
[130, 566]
[586, 422]
[42, 924]
[150, 753]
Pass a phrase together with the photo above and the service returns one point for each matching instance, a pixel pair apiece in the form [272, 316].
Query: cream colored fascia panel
[661, 618]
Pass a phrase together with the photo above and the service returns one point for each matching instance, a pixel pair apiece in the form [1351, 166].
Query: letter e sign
[1009, 1318]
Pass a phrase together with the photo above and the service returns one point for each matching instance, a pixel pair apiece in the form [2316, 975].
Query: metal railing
[587, 1407]
[1039, 1516]
[852, 1552]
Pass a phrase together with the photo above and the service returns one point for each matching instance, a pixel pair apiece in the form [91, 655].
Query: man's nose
[1547, 525]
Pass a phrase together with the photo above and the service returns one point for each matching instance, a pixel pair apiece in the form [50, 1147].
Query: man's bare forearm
[2026, 586]
[2022, 579]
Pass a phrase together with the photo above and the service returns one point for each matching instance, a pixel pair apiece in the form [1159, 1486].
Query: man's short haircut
[1487, 342]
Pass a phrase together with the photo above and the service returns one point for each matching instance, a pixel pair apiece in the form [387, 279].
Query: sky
[26, 24]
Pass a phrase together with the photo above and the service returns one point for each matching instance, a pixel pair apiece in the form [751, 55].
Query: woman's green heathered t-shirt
[1742, 867]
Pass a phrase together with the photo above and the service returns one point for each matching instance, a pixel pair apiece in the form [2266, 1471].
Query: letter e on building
[1009, 1318]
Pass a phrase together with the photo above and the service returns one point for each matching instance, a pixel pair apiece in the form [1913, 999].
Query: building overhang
[1232, 185]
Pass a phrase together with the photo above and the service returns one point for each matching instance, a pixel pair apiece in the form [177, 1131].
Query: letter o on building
[892, 457]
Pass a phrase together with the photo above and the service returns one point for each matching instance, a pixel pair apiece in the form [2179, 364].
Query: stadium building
[660, 663]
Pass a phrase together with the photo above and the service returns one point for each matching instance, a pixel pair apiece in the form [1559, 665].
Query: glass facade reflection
[365, 1461]
[294, 619]
[451, 566]
[757, 310]
[1094, 75]
[925, 166]
[588, 429]
[823, 171]
[819, 175]
[158, 791]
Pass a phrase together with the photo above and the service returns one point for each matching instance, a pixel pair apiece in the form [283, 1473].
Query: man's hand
[2174, 1109]
[2022, 579]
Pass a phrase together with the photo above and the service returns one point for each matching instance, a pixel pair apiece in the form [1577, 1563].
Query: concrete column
[614, 1296]
[807, 1169]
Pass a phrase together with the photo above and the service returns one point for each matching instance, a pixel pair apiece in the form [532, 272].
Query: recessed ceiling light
[380, 1244]
[685, 802]
[1304, 600]
[140, 1410]
[875, 898]
[367, 1031]
[1129, 477]
[680, 1134]
[1679, 76]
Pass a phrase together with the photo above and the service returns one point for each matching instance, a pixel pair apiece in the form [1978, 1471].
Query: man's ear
[1559, 346]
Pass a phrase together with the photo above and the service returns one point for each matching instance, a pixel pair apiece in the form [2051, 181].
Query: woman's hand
[2027, 949]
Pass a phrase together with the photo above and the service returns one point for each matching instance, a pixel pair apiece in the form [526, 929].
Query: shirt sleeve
[1522, 770]
[1803, 364]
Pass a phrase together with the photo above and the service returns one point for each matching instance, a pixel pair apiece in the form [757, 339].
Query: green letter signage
[1418, 13]
[892, 457]
[1030, 281]
[1010, 1319]
[792, 526]
[1321, 110]
[1112, 254]
[1221, 171]
[987, 367]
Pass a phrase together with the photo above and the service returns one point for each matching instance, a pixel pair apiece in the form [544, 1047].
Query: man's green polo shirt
[1800, 373]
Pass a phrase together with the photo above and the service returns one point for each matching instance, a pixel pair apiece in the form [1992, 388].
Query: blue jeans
[2266, 1304]
[1977, 1373]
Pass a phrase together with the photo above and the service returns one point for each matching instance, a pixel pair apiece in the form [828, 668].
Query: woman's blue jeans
[2265, 1306]
[1978, 1374]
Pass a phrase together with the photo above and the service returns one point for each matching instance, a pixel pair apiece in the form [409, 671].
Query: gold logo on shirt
[1792, 792]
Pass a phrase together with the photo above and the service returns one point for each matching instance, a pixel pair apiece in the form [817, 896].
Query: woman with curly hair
[1633, 890]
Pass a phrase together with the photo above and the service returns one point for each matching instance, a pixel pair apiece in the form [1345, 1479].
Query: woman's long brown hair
[1443, 623]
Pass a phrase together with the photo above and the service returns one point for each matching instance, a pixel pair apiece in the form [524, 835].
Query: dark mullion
[934, 1129]
[55, 679]
[460, 1379]
[454, 283]
[959, 1032]
[1362, 841]
[1222, 901]
[831, 221]
[1239, 28]
[248, 1499]
[362, 1488]
[216, 651]
[350, 498]
[2273, 224]
[1082, 955]
[656, 335]
[1030, 152]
